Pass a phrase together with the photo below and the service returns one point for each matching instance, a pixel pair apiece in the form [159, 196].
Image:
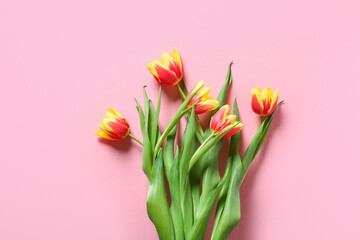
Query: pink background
[63, 63]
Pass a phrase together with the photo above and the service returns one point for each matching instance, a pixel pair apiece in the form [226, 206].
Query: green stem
[199, 130]
[199, 125]
[136, 139]
[205, 147]
[261, 138]
[206, 140]
[181, 92]
[261, 120]
[173, 122]
[201, 146]
[178, 115]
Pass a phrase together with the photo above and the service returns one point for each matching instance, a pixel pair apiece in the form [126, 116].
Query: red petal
[232, 132]
[273, 106]
[203, 108]
[119, 129]
[166, 76]
[219, 118]
[255, 105]
[174, 66]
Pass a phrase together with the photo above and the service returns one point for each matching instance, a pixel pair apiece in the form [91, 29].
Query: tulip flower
[203, 102]
[114, 126]
[263, 102]
[221, 120]
[169, 70]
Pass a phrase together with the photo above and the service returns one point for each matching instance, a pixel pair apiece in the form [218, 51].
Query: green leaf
[210, 161]
[204, 212]
[141, 116]
[183, 87]
[228, 214]
[169, 152]
[195, 181]
[178, 115]
[208, 146]
[151, 124]
[228, 207]
[187, 150]
[147, 150]
[229, 210]
[157, 205]
[199, 131]
[211, 176]
[223, 92]
[154, 126]
[147, 111]
[256, 142]
[175, 208]
[267, 127]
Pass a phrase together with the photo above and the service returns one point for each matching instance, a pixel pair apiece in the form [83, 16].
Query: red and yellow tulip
[221, 120]
[114, 126]
[263, 102]
[169, 70]
[203, 102]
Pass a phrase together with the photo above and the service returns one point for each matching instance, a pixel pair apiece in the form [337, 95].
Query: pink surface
[63, 63]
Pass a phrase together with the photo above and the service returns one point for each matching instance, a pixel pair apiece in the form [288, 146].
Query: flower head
[263, 102]
[169, 70]
[203, 102]
[114, 126]
[221, 120]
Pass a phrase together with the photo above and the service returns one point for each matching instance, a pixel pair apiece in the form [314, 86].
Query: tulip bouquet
[191, 168]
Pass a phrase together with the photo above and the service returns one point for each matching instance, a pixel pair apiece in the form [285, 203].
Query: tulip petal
[206, 106]
[166, 76]
[275, 97]
[108, 136]
[119, 129]
[266, 97]
[256, 101]
[114, 126]
[234, 130]
[123, 122]
[114, 136]
[274, 100]
[105, 125]
[230, 119]
[151, 66]
[170, 63]
[198, 85]
[102, 126]
[117, 121]
[199, 97]
[203, 93]
[169, 70]
[112, 117]
[113, 111]
[102, 134]
[166, 59]
[219, 118]
[177, 58]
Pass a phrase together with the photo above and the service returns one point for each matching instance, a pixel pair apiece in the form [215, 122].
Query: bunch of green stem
[196, 163]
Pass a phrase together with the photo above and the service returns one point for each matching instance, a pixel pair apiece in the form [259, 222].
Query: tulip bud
[169, 70]
[114, 126]
[221, 120]
[203, 102]
[263, 102]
